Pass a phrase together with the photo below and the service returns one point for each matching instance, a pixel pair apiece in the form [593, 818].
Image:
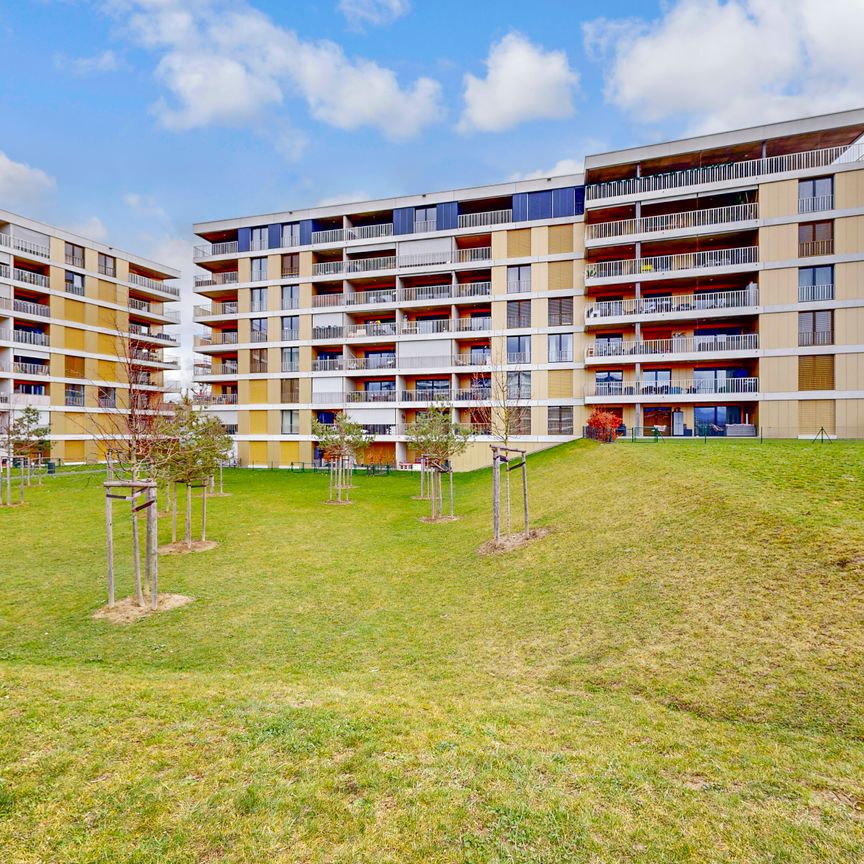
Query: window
[519, 279]
[815, 238]
[290, 296]
[290, 390]
[291, 234]
[518, 385]
[258, 360]
[259, 269]
[560, 311]
[290, 359]
[258, 299]
[815, 283]
[74, 367]
[290, 328]
[816, 328]
[560, 347]
[291, 422]
[713, 419]
[518, 313]
[107, 265]
[560, 420]
[609, 382]
[291, 264]
[75, 394]
[107, 397]
[518, 349]
[425, 219]
[432, 385]
[520, 421]
[30, 389]
[74, 255]
[74, 283]
[258, 239]
[816, 373]
[656, 380]
[815, 195]
[259, 329]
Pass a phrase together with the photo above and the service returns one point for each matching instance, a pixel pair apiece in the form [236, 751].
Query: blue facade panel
[447, 215]
[403, 220]
[580, 201]
[244, 239]
[306, 229]
[520, 206]
[274, 236]
[564, 202]
[540, 205]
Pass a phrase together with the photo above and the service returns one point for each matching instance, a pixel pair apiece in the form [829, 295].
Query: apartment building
[78, 319]
[710, 286]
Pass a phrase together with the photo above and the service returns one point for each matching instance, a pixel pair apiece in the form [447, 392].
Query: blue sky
[130, 119]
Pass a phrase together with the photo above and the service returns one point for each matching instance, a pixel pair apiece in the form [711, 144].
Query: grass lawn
[673, 674]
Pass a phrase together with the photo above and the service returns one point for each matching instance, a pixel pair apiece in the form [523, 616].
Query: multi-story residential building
[705, 286]
[77, 319]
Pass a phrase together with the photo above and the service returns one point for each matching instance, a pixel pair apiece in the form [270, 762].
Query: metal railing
[561, 356]
[817, 337]
[324, 300]
[376, 361]
[73, 401]
[330, 331]
[74, 260]
[390, 262]
[673, 221]
[811, 293]
[291, 335]
[258, 366]
[227, 278]
[107, 270]
[518, 286]
[677, 387]
[672, 263]
[153, 284]
[31, 368]
[370, 329]
[518, 357]
[30, 337]
[442, 394]
[216, 398]
[424, 226]
[491, 217]
[28, 308]
[230, 247]
[333, 364]
[258, 336]
[704, 301]
[29, 277]
[816, 204]
[749, 169]
[357, 232]
[371, 396]
[426, 292]
[290, 365]
[224, 369]
[675, 345]
[26, 246]
[359, 298]
[228, 307]
[812, 248]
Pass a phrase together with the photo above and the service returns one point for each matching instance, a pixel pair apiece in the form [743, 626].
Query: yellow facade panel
[258, 452]
[560, 275]
[778, 242]
[816, 415]
[777, 287]
[73, 339]
[848, 280]
[849, 189]
[561, 239]
[107, 370]
[257, 422]
[73, 310]
[778, 199]
[849, 235]
[519, 243]
[560, 383]
[778, 330]
[849, 372]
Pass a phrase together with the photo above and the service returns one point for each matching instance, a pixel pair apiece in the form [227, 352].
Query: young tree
[24, 438]
[343, 442]
[604, 425]
[434, 434]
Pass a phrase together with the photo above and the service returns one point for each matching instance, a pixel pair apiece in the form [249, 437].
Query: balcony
[816, 204]
[230, 277]
[391, 262]
[30, 337]
[682, 305]
[370, 396]
[750, 170]
[678, 345]
[446, 325]
[328, 333]
[664, 265]
[370, 330]
[375, 362]
[688, 220]
[73, 400]
[359, 232]
[678, 388]
[29, 277]
[228, 307]
[334, 364]
[20, 368]
[25, 246]
[813, 293]
[492, 217]
[814, 248]
[443, 394]
[290, 335]
[143, 307]
[27, 308]
[361, 298]
[227, 337]
[153, 284]
[232, 247]
[216, 398]
[424, 226]
[818, 337]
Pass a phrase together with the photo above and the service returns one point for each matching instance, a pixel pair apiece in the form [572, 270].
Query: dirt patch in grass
[180, 548]
[510, 542]
[439, 519]
[338, 503]
[852, 804]
[127, 610]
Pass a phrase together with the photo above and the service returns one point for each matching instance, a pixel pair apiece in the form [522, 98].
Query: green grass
[673, 674]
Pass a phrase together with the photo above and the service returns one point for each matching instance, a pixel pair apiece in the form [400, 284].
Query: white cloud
[720, 65]
[20, 183]
[375, 12]
[523, 82]
[144, 205]
[91, 228]
[228, 64]
[107, 61]
[562, 166]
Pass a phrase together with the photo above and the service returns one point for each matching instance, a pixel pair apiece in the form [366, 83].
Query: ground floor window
[659, 418]
[713, 419]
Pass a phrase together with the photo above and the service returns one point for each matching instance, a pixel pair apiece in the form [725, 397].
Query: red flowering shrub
[604, 425]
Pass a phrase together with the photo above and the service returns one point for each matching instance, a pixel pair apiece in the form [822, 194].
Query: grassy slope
[673, 675]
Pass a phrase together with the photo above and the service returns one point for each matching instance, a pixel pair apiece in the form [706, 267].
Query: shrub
[603, 425]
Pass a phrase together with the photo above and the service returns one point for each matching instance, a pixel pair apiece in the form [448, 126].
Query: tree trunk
[525, 492]
[109, 533]
[422, 478]
[136, 556]
[9, 479]
[332, 471]
[154, 554]
[452, 513]
[496, 499]
[21, 477]
[173, 493]
[507, 495]
[221, 489]
[187, 537]
[204, 513]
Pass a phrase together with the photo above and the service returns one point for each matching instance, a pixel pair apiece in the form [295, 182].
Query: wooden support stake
[496, 498]
[136, 559]
[153, 516]
[525, 492]
[109, 528]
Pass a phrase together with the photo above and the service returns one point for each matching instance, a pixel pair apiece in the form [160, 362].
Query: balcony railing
[358, 232]
[390, 262]
[376, 361]
[818, 337]
[73, 400]
[153, 284]
[31, 368]
[228, 307]
[359, 298]
[424, 226]
[225, 368]
[442, 394]
[371, 396]
[673, 221]
[29, 277]
[258, 336]
[290, 365]
[564, 356]
[290, 335]
[491, 217]
[231, 247]
[74, 260]
[216, 398]
[812, 248]
[228, 278]
[518, 357]
[370, 329]
[28, 308]
[816, 204]
[685, 386]
[331, 331]
[812, 293]
[28, 247]
[675, 304]
[671, 263]
[675, 345]
[333, 364]
[750, 170]
[446, 325]
[29, 337]
[518, 286]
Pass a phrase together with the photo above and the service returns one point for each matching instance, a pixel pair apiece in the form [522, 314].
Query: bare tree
[24, 438]
[343, 441]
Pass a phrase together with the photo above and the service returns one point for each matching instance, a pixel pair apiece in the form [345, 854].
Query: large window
[560, 311]
[290, 328]
[258, 299]
[290, 388]
[259, 269]
[520, 421]
[258, 327]
[656, 380]
[107, 397]
[424, 219]
[74, 255]
[107, 265]
[74, 283]
[560, 420]
[713, 419]
[518, 385]
[816, 328]
[519, 279]
[727, 380]
[815, 194]
[290, 359]
[816, 373]
[290, 296]
[291, 422]
[291, 234]
[815, 238]
[560, 347]
[258, 360]
[816, 283]
[259, 239]
[518, 313]
[518, 349]
[291, 265]
[609, 382]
